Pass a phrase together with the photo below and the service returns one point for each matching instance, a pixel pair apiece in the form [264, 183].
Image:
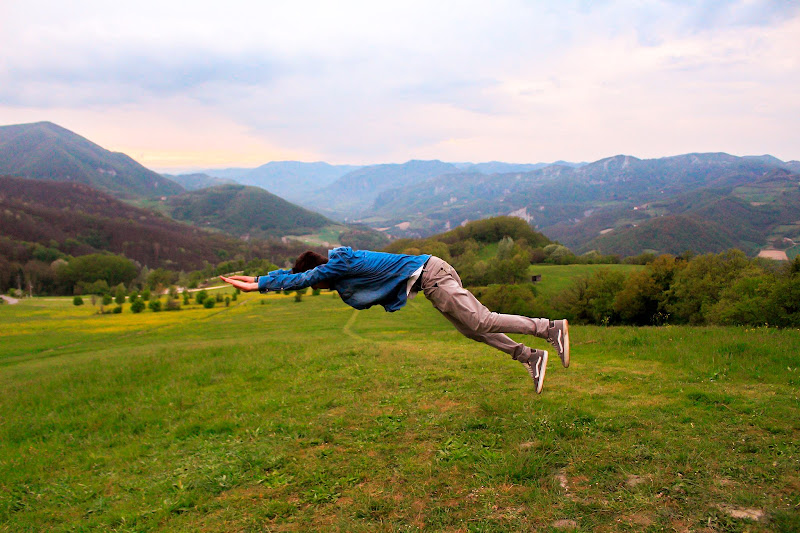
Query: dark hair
[307, 261]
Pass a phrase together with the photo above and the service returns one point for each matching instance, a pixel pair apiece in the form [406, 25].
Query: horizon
[190, 170]
[235, 86]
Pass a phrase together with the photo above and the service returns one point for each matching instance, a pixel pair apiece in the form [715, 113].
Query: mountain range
[611, 205]
[621, 204]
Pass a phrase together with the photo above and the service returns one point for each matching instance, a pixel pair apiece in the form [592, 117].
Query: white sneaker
[558, 336]
[536, 368]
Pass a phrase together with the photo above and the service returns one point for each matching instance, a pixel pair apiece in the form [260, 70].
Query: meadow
[276, 415]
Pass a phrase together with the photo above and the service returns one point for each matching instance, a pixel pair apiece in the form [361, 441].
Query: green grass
[271, 415]
[327, 236]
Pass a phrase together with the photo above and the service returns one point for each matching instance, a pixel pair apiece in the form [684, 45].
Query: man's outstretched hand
[243, 283]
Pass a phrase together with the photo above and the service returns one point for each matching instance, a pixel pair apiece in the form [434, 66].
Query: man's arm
[243, 283]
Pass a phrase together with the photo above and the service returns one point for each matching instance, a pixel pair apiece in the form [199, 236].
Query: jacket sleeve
[283, 280]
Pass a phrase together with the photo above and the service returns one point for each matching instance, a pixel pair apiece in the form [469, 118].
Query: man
[364, 279]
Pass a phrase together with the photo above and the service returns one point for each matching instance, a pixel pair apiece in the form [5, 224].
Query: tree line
[725, 289]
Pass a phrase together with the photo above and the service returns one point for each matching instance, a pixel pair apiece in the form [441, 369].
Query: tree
[137, 306]
[591, 299]
[200, 296]
[646, 296]
[77, 301]
[161, 278]
[120, 295]
[155, 305]
[113, 269]
[698, 286]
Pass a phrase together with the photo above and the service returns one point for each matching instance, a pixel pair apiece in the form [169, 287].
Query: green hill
[46, 151]
[249, 212]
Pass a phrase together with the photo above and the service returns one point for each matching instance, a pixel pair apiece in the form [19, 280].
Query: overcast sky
[212, 84]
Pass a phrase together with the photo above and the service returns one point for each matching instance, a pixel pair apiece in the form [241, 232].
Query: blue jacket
[361, 278]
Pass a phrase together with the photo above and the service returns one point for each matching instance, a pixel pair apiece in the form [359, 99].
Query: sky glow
[181, 85]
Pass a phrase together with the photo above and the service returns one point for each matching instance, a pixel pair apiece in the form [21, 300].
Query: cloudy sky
[180, 85]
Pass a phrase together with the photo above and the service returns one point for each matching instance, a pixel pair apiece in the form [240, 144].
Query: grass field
[272, 415]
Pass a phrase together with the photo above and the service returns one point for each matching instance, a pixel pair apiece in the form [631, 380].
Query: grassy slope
[293, 417]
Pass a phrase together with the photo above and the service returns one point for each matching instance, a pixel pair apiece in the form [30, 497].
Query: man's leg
[442, 286]
[500, 341]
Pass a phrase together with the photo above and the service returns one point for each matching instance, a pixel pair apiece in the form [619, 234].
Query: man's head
[307, 261]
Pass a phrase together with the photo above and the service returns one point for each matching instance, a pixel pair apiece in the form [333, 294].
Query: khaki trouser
[442, 286]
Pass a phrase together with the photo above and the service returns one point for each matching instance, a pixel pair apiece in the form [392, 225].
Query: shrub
[227, 301]
[200, 296]
[77, 301]
[698, 287]
[155, 305]
[117, 310]
[146, 294]
[137, 306]
[218, 297]
[107, 299]
[590, 299]
[646, 297]
[172, 305]
[208, 303]
[120, 294]
[186, 297]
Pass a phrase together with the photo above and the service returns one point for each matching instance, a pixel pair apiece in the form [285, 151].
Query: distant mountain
[575, 204]
[46, 151]
[355, 191]
[293, 180]
[78, 219]
[741, 211]
[498, 167]
[243, 211]
[193, 182]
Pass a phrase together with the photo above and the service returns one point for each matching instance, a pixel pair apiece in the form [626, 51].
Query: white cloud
[374, 81]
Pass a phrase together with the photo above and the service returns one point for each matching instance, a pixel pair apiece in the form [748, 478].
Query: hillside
[77, 219]
[46, 151]
[248, 212]
[748, 216]
[197, 181]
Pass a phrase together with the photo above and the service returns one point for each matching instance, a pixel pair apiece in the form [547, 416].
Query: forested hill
[75, 219]
[244, 212]
[492, 250]
[46, 151]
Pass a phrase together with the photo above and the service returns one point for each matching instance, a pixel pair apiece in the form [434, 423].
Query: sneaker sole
[540, 385]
